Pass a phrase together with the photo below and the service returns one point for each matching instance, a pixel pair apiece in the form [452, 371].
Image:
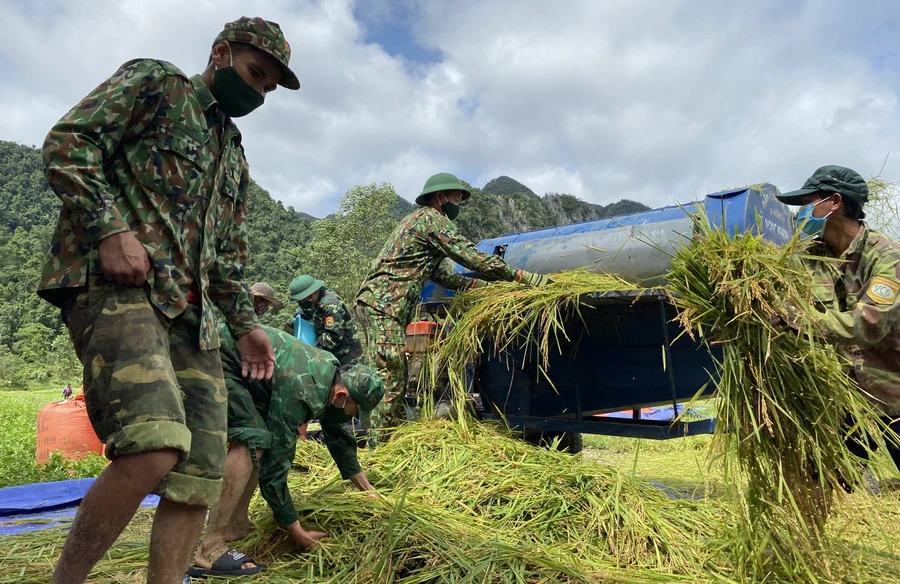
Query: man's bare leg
[240, 525]
[238, 468]
[107, 508]
[176, 529]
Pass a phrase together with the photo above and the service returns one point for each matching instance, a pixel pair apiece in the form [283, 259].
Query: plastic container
[304, 330]
[64, 426]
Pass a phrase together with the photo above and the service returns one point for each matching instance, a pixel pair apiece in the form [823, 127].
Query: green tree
[342, 246]
[33, 342]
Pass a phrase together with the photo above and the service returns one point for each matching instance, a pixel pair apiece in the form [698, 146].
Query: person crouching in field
[263, 420]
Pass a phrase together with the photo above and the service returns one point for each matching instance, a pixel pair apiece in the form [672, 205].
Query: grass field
[679, 466]
[18, 438]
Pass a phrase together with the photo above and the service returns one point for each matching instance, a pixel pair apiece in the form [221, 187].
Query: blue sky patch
[391, 26]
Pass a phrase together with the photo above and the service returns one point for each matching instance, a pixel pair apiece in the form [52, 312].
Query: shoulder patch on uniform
[329, 321]
[883, 290]
[171, 69]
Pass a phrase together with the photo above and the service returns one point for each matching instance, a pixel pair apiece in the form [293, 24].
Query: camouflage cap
[366, 388]
[265, 36]
[265, 292]
[830, 179]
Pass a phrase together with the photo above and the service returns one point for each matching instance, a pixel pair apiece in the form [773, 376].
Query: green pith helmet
[366, 387]
[303, 286]
[442, 181]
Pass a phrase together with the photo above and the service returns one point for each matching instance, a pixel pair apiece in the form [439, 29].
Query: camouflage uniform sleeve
[448, 240]
[876, 313]
[275, 464]
[333, 325]
[226, 287]
[74, 151]
[342, 447]
[446, 276]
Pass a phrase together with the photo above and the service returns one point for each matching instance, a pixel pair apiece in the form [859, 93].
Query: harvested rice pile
[482, 506]
[487, 507]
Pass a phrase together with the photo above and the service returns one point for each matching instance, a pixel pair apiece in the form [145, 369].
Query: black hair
[337, 380]
[853, 209]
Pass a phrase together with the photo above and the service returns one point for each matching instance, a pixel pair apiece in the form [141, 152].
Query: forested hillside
[284, 242]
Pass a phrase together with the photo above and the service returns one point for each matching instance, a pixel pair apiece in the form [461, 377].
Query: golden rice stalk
[783, 398]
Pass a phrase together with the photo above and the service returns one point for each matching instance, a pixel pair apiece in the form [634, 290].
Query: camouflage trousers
[247, 412]
[385, 352]
[148, 386]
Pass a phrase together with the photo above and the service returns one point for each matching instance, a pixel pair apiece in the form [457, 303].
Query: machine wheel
[570, 442]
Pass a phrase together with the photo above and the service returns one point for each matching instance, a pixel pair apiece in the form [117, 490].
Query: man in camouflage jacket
[152, 235]
[335, 329]
[414, 254]
[857, 285]
[263, 417]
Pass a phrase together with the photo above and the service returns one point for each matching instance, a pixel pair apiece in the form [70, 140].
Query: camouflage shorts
[386, 352]
[247, 417]
[148, 386]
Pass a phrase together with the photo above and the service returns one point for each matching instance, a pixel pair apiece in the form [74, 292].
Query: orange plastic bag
[64, 426]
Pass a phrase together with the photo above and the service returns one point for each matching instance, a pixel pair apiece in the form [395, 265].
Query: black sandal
[228, 564]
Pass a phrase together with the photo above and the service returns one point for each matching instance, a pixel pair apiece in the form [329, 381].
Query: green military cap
[366, 387]
[303, 286]
[443, 181]
[265, 36]
[830, 179]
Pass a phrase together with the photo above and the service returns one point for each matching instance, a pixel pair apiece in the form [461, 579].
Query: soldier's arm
[342, 447]
[332, 327]
[876, 313]
[274, 467]
[227, 289]
[75, 149]
[446, 276]
[448, 240]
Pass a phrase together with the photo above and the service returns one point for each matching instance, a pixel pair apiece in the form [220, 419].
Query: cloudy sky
[658, 101]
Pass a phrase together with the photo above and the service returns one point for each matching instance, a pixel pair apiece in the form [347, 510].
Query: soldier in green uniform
[414, 254]
[263, 417]
[320, 305]
[151, 237]
[856, 297]
[264, 298]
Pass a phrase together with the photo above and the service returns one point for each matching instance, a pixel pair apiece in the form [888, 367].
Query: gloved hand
[532, 279]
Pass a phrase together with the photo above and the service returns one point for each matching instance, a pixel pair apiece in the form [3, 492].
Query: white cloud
[655, 101]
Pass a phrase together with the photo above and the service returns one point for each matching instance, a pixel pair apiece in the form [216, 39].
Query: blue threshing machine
[625, 353]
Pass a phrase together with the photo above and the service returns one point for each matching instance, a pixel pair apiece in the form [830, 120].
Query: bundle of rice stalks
[883, 206]
[783, 398]
[485, 507]
[512, 316]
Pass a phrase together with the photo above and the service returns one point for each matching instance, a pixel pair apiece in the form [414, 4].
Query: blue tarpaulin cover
[44, 505]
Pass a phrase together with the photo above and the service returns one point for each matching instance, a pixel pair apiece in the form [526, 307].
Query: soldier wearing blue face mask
[856, 297]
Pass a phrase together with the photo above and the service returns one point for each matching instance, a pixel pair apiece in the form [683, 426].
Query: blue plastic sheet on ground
[44, 505]
[661, 414]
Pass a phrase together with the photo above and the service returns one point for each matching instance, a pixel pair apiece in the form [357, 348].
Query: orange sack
[64, 426]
